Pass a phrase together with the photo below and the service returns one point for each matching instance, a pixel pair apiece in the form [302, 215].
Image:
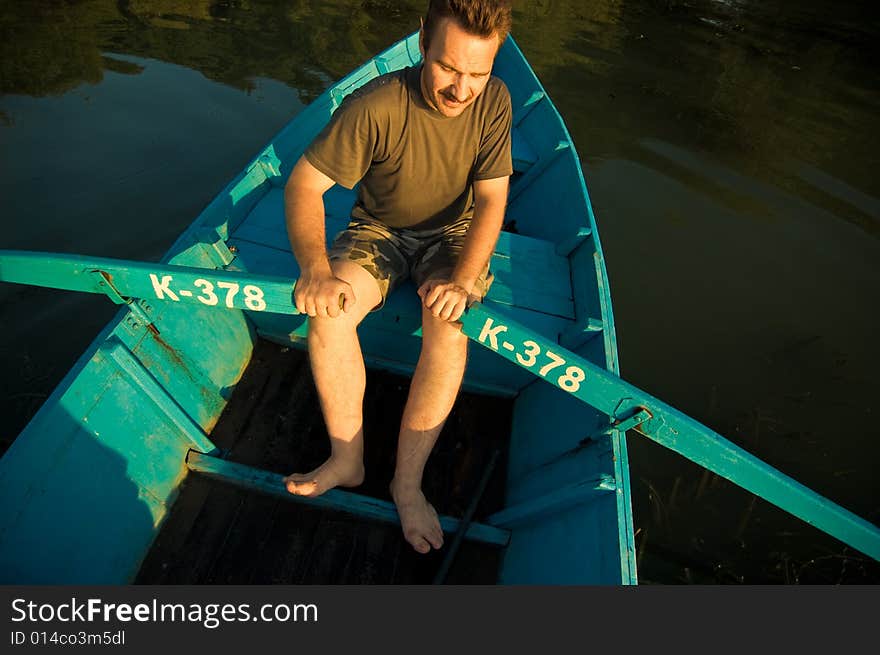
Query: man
[430, 146]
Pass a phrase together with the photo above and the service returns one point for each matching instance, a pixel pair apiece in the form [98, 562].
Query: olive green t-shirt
[416, 167]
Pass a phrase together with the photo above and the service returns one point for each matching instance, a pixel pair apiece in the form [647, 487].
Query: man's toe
[300, 488]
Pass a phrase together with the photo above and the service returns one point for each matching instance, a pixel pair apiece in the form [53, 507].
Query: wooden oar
[124, 280]
[632, 408]
[628, 406]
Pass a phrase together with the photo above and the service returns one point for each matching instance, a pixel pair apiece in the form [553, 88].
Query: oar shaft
[667, 426]
[121, 279]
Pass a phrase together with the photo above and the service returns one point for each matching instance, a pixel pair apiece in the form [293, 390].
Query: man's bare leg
[338, 369]
[435, 385]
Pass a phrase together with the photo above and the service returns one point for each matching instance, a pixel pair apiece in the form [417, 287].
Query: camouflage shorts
[391, 255]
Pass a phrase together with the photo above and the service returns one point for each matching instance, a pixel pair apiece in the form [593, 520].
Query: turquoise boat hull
[89, 482]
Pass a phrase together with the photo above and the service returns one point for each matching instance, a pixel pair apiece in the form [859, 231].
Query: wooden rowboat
[114, 478]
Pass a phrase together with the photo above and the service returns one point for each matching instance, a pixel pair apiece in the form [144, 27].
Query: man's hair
[481, 18]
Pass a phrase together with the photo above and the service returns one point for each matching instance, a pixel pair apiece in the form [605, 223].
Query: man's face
[457, 67]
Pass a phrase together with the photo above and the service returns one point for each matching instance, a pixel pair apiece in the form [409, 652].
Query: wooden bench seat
[531, 284]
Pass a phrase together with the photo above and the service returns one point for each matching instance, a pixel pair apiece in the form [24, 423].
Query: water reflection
[58, 46]
[729, 151]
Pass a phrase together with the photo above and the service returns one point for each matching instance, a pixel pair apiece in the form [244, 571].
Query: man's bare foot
[421, 526]
[335, 472]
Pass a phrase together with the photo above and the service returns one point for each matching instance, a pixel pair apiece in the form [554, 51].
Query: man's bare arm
[448, 300]
[304, 213]
[317, 290]
[490, 200]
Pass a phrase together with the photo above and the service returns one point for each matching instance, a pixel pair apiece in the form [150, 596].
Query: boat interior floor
[219, 533]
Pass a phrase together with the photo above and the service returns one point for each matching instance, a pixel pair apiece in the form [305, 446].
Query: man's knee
[367, 291]
[327, 327]
[437, 333]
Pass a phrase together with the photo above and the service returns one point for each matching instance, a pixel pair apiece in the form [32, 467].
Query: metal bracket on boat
[214, 246]
[568, 246]
[575, 336]
[270, 164]
[104, 284]
[621, 424]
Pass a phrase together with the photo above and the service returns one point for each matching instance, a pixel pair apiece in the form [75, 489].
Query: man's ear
[422, 36]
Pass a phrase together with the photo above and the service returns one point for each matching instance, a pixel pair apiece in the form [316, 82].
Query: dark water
[731, 152]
